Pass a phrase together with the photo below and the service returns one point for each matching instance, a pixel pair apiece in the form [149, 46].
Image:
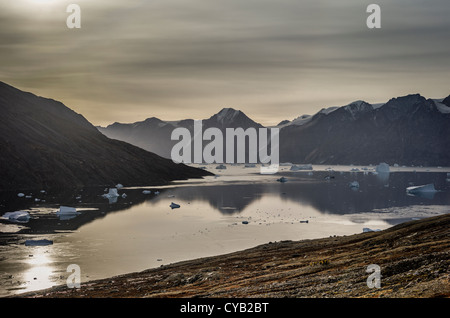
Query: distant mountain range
[408, 130]
[44, 144]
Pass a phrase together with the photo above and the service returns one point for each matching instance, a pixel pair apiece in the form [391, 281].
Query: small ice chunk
[119, 186]
[37, 200]
[174, 205]
[366, 229]
[67, 213]
[146, 192]
[18, 216]
[67, 210]
[43, 242]
[42, 191]
[20, 195]
[421, 189]
[112, 193]
[354, 185]
[124, 195]
[301, 167]
[382, 168]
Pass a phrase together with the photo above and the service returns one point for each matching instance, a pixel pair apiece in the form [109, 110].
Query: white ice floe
[174, 205]
[18, 216]
[427, 188]
[301, 167]
[43, 242]
[382, 168]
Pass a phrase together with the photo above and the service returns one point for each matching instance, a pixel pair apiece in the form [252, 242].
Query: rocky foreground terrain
[414, 259]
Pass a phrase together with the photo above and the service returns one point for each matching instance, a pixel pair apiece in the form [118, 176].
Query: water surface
[141, 231]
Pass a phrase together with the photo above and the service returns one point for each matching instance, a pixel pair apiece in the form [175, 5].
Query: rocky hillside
[44, 144]
[414, 261]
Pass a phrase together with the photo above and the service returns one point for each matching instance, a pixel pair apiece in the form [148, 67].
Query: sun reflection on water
[41, 269]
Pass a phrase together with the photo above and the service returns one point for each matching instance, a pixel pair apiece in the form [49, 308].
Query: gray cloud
[174, 59]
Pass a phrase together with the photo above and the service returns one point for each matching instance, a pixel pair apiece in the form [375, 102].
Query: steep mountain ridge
[45, 144]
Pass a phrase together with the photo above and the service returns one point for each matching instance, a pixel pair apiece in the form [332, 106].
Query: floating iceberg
[112, 193]
[67, 210]
[354, 185]
[282, 180]
[67, 213]
[301, 167]
[174, 205]
[427, 188]
[382, 168]
[18, 216]
[43, 242]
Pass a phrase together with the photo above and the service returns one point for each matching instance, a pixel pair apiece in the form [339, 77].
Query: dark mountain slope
[45, 144]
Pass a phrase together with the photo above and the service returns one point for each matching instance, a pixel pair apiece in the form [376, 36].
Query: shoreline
[414, 259]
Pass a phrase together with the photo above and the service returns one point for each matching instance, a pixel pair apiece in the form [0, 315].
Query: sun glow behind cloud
[175, 59]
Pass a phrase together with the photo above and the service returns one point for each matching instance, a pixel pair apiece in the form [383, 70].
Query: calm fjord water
[237, 209]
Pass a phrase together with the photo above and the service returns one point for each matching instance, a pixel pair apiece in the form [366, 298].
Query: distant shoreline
[414, 258]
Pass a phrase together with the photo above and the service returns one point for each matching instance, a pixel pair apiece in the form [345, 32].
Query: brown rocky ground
[414, 258]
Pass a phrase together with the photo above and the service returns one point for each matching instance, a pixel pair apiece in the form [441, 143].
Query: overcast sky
[176, 59]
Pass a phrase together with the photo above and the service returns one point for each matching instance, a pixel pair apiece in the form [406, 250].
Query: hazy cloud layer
[178, 58]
